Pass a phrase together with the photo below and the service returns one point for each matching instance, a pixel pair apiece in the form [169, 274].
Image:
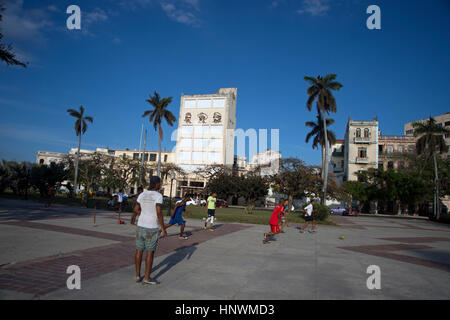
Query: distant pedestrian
[274, 221]
[149, 226]
[119, 204]
[309, 216]
[211, 210]
[283, 215]
[50, 195]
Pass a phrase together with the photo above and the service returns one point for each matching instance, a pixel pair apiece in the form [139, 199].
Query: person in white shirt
[309, 217]
[149, 226]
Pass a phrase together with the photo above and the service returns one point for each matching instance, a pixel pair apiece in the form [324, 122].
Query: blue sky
[127, 49]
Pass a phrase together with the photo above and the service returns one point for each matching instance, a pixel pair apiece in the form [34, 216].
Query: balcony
[364, 160]
[361, 140]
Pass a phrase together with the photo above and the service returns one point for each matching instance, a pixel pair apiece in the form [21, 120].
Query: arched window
[41, 161]
[366, 133]
[358, 133]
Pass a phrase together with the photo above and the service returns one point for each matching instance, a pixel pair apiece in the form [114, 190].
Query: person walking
[309, 216]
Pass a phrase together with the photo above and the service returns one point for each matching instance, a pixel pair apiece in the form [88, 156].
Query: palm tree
[80, 129]
[318, 133]
[431, 141]
[320, 89]
[156, 117]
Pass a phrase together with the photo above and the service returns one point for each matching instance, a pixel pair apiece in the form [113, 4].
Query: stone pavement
[37, 245]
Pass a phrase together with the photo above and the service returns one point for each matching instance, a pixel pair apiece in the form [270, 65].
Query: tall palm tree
[156, 116]
[320, 90]
[431, 141]
[318, 133]
[80, 129]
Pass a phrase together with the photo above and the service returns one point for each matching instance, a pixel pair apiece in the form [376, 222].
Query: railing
[362, 160]
[362, 139]
[390, 137]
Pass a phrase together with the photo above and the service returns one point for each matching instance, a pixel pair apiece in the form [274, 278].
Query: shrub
[322, 212]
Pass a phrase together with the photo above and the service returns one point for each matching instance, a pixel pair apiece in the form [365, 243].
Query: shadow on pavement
[179, 255]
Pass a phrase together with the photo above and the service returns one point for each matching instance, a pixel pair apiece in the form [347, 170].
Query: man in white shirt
[148, 206]
[309, 217]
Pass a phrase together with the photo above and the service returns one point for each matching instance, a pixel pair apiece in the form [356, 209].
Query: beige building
[391, 148]
[360, 147]
[442, 120]
[206, 130]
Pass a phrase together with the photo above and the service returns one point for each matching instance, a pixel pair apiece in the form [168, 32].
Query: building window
[165, 158]
[447, 123]
[400, 148]
[41, 161]
[135, 156]
[362, 153]
[124, 156]
[366, 133]
[390, 165]
[204, 103]
[146, 157]
[401, 165]
[219, 103]
[189, 103]
[380, 165]
[390, 149]
[152, 157]
[380, 148]
[342, 163]
[411, 148]
[358, 133]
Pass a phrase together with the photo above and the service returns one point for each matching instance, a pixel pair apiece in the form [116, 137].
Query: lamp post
[172, 177]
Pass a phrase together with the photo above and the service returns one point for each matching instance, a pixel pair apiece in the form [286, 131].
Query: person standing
[119, 204]
[211, 210]
[309, 216]
[283, 215]
[51, 194]
[149, 226]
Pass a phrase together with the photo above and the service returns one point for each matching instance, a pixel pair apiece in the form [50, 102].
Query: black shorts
[308, 218]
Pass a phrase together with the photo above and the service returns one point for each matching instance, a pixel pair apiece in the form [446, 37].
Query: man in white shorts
[309, 216]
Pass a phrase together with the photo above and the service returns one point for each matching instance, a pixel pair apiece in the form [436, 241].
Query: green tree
[294, 179]
[321, 90]
[431, 140]
[318, 133]
[6, 51]
[80, 129]
[357, 191]
[156, 116]
[45, 176]
[251, 187]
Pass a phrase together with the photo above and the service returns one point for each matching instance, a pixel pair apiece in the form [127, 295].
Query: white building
[206, 130]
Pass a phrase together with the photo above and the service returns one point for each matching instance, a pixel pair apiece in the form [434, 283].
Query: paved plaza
[38, 244]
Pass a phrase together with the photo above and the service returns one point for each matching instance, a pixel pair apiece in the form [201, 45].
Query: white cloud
[314, 7]
[181, 11]
[25, 25]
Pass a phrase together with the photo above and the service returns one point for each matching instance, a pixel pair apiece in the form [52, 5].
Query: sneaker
[265, 241]
[150, 281]
[301, 231]
[183, 238]
[312, 231]
[211, 229]
[139, 279]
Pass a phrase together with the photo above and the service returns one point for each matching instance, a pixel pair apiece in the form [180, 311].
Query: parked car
[221, 203]
[338, 210]
[351, 211]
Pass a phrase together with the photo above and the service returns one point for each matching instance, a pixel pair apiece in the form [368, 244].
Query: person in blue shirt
[177, 217]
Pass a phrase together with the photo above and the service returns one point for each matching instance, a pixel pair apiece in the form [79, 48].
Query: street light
[172, 177]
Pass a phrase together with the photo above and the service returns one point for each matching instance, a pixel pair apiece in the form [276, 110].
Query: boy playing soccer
[211, 210]
[274, 220]
[177, 218]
